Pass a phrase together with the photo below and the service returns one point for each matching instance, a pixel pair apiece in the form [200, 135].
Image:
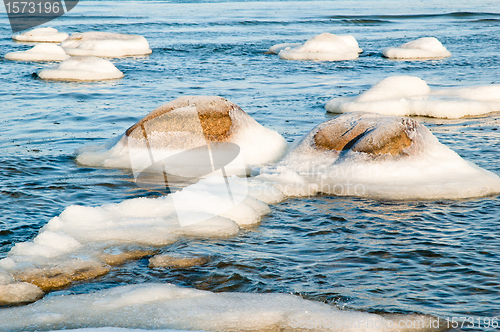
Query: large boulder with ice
[41, 35]
[190, 124]
[422, 48]
[41, 52]
[105, 44]
[323, 47]
[82, 69]
[376, 156]
[408, 96]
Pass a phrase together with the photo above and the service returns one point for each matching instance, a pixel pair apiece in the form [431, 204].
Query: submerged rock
[174, 262]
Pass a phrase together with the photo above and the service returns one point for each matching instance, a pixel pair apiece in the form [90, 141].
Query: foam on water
[41, 52]
[411, 96]
[82, 69]
[41, 35]
[425, 170]
[323, 47]
[105, 44]
[165, 306]
[422, 48]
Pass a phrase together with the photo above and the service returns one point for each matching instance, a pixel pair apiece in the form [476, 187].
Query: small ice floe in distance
[275, 49]
[323, 47]
[411, 96]
[105, 44]
[82, 69]
[422, 48]
[189, 124]
[381, 157]
[153, 306]
[41, 52]
[41, 35]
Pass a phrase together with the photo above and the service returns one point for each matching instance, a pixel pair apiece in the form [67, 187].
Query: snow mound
[375, 156]
[411, 96]
[105, 44]
[82, 69]
[323, 47]
[185, 133]
[41, 52]
[422, 48]
[41, 35]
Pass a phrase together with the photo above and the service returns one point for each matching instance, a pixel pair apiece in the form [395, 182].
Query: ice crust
[41, 35]
[81, 242]
[82, 69]
[165, 306]
[323, 47]
[411, 96]
[426, 170]
[105, 44]
[41, 52]
[422, 48]
[257, 145]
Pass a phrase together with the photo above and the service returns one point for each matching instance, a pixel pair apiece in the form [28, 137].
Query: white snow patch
[82, 69]
[165, 306]
[323, 47]
[41, 35]
[411, 96]
[422, 48]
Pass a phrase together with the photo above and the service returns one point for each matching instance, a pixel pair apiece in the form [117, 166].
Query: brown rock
[177, 262]
[377, 135]
[213, 113]
[117, 259]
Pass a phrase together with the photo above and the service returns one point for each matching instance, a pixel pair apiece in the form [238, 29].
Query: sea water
[437, 257]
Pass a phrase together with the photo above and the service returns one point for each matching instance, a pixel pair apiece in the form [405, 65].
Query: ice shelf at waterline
[165, 306]
[408, 96]
[376, 156]
[41, 35]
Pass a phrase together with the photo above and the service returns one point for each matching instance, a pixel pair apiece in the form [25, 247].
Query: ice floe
[323, 47]
[105, 44]
[41, 35]
[41, 52]
[185, 135]
[166, 306]
[411, 96]
[422, 48]
[375, 156]
[83, 242]
[275, 49]
[82, 69]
